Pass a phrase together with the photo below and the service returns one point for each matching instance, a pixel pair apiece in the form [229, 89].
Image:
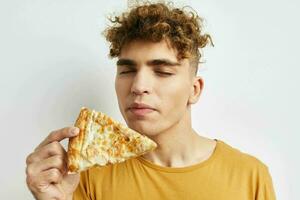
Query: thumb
[70, 182]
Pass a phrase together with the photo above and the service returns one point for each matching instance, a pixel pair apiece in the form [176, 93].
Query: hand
[46, 169]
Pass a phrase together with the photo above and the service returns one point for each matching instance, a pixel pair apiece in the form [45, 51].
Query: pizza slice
[102, 141]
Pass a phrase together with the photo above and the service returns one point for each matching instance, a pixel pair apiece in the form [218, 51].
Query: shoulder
[247, 170]
[238, 159]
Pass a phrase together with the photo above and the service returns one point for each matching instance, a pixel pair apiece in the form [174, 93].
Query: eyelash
[163, 73]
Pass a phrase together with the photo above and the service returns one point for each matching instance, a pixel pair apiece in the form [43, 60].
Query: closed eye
[164, 73]
[158, 72]
[126, 72]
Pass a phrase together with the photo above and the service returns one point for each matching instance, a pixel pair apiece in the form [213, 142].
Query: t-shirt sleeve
[265, 189]
[82, 191]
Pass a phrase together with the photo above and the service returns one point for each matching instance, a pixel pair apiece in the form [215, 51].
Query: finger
[43, 180]
[59, 135]
[57, 162]
[51, 149]
[71, 180]
[52, 175]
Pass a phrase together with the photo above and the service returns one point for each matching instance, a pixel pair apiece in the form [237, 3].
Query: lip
[140, 109]
[136, 105]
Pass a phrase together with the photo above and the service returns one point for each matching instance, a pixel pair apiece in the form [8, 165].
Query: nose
[141, 83]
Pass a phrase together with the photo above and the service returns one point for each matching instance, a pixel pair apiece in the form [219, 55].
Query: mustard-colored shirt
[227, 175]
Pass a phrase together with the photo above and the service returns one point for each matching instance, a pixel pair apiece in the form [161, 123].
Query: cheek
[175, 96]
[120, 88]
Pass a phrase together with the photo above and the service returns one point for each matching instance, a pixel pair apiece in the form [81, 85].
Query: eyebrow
[165, 62]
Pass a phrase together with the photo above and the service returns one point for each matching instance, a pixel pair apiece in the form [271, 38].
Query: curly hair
[155, 22]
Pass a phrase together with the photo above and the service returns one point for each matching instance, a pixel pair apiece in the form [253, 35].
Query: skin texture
[140, 78]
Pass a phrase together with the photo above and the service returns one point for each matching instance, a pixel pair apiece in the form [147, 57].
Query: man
[156, 83]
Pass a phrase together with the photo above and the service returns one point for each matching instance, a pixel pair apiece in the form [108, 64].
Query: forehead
[145, 50]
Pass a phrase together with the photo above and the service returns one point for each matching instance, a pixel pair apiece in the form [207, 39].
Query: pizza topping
[102, 141]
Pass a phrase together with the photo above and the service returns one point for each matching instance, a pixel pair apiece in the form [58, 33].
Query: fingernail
[75, 131]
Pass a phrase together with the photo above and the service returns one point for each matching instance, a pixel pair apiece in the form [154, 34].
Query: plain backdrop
[53, 60]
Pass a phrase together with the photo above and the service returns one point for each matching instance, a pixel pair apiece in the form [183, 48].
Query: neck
[180, 146]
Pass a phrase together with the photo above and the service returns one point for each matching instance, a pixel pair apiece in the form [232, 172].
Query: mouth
[136, 105]
[140, 109]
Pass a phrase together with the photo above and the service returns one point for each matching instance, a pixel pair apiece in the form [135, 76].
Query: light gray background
[54, 60]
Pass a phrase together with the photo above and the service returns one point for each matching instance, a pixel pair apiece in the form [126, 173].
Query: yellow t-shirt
[227, 175]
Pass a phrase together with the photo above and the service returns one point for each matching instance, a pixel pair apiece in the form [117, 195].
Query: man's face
[149, 73]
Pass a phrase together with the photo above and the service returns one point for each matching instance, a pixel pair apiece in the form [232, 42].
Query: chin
[144, 125]
[144, 129]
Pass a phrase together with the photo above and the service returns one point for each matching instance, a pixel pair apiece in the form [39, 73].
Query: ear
[196, 89]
